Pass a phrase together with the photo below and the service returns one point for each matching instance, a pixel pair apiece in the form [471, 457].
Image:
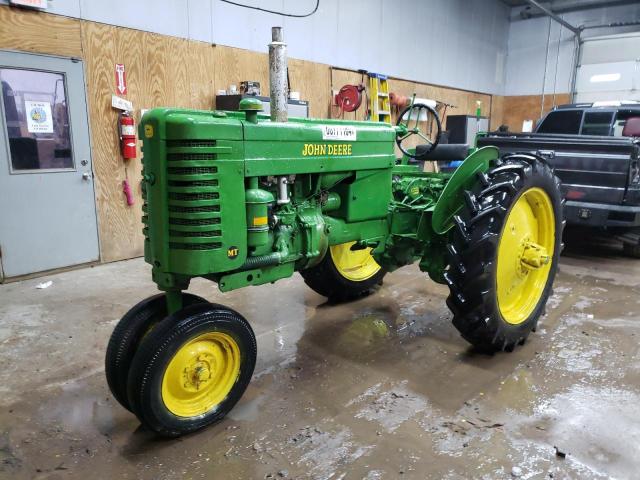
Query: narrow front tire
[192, 369]
[126, 338]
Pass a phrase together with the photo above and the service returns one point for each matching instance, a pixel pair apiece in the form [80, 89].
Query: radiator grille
[195, 246]
[192, 170]
[207, 234]
[194, 196]
[202, 209]
[194, 222]
[191, 143]
[186, 157]
[195, 183]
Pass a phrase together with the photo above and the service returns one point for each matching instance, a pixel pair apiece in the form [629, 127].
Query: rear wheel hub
[525, 250]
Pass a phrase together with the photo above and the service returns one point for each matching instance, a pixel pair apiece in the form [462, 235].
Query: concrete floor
[380, 388]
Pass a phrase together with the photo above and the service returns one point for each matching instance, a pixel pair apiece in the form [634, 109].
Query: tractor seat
[446, 151]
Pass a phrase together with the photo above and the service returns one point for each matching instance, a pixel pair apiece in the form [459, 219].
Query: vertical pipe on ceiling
[576, 31]
[544, 75]
[577, 53]
[555, 76]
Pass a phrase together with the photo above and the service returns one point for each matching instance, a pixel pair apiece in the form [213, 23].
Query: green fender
[464, 178]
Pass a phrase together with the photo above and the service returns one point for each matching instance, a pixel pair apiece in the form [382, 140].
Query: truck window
[561, 121]
[621, 120]
[597, 123]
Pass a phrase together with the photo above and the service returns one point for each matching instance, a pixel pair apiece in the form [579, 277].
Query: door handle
[546, 153]
[86, 176]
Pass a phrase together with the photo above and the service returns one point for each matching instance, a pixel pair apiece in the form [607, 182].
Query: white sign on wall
[30, 3]
[39, 119]
[121, 103]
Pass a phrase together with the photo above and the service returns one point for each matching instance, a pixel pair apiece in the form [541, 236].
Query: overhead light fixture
[605, 77]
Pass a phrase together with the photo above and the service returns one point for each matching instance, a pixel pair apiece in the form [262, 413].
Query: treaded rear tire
[472, 253]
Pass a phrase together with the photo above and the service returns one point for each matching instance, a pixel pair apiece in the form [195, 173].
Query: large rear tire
[504, 252]
[344, 274]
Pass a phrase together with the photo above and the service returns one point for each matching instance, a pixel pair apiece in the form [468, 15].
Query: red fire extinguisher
[127, 126]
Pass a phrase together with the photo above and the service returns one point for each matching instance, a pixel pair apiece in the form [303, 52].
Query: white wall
[528, 43]
[456, 43]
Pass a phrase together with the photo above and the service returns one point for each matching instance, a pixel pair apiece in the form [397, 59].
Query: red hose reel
[349, 97]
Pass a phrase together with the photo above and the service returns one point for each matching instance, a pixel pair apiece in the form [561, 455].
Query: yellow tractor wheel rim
[525, 253]
[354, 265]
[201, 374]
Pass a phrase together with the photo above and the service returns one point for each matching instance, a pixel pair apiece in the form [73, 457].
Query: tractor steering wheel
[405, 131]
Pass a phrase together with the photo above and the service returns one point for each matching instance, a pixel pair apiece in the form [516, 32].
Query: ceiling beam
[558, 19]
[562, 6]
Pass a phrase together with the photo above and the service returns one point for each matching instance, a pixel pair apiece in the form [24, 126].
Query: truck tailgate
[591, 168]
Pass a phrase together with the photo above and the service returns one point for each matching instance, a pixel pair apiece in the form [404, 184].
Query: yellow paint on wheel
[354, 265]
[525, 251]
[201, 374]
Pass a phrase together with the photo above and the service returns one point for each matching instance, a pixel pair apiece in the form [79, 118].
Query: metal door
[47, 202]
[609, 69]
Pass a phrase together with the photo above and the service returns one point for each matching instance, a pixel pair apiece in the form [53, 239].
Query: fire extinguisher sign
[121, 79]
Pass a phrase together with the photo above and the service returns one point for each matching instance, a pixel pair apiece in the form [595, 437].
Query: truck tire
[192, 369]
[344, 274]
[504, 252]
[126, 337]
[631, 249]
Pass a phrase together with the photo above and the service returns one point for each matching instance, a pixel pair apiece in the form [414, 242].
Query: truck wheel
[631, 249]
[191, 369]
[344, 274]
[126, 337]
[504, 253]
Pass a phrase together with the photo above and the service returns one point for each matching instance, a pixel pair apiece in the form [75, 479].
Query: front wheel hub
[201, 374]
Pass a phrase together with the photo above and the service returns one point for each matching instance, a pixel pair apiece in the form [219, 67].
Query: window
[561, 121]
[37, 119]
[621, 120]
[597, 123]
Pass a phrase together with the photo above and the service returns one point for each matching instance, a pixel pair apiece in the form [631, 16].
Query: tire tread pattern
[472, 252]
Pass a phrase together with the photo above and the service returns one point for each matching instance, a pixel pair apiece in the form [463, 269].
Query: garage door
[609, 69]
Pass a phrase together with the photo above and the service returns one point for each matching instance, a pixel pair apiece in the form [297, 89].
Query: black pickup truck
[595, 150]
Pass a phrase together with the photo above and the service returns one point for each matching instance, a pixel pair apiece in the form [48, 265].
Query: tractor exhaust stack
[278, 76]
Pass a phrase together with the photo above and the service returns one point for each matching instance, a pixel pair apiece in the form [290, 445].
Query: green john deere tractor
[242, 200]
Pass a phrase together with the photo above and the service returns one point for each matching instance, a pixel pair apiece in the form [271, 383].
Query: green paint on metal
[251, 106]
[451, 200]
[257, 276]
[214, 205]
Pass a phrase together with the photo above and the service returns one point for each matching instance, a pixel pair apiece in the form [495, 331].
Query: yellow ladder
[379, 106]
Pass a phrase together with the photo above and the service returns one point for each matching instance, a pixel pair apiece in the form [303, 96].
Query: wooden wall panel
[118, 224]
[38, 32]
[233, 65]
[313, 81]
[497, 111]
[517, 109]
[201, 60]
